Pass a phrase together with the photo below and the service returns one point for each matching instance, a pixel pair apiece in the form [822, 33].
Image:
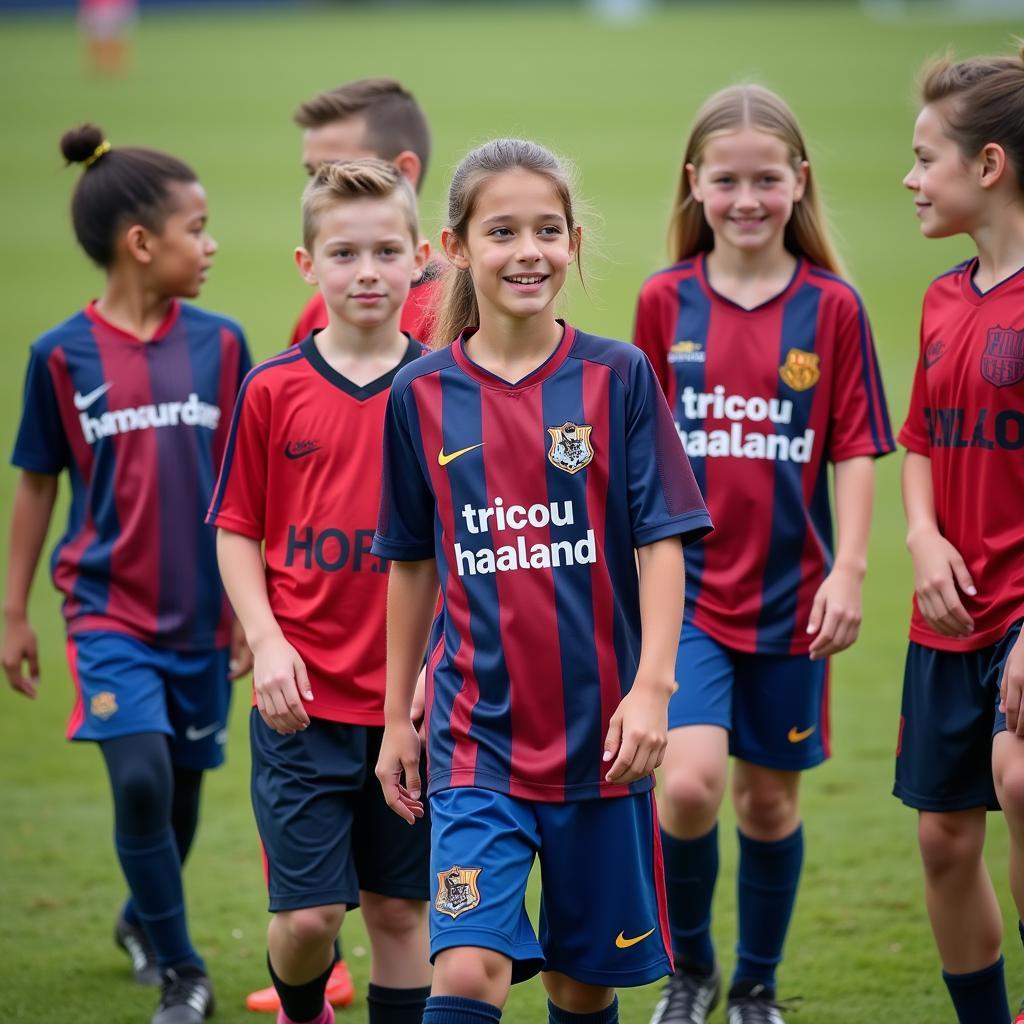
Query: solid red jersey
[763, 400]
[300, 473]
[967, 416]
[418, 313]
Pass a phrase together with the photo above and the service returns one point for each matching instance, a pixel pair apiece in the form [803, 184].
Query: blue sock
[609, 1015]
[151, 866]
[979, 997]
[691, 869]
[769, 874]
[456, 1010]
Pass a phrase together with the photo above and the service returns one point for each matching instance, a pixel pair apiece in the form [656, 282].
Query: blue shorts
[125, 686]
[325, 828]
[949, 715]
[774, 706]
[603, 919]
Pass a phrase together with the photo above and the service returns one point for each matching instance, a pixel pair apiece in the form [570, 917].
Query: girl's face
[182, 251]
[946, 187]
[518, 245]
[364, 260]
[747, 186]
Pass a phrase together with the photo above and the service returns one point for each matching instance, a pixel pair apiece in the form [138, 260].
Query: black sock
[396, 1005]
[301, 1002]
[338, 954]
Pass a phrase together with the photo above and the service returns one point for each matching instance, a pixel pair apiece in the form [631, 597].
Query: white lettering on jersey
[190, 413]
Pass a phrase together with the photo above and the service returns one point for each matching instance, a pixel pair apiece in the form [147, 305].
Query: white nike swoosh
[193, 734]
[82, 402]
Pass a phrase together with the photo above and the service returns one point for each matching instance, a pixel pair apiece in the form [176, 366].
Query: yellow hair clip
[103, 147]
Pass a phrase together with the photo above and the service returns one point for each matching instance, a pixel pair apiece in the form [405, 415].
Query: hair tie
[103, 147]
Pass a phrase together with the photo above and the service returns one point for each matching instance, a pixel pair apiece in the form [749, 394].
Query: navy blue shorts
[124, 686]
[949, 715]
[325, 828]
[774, 706]
[603, 919]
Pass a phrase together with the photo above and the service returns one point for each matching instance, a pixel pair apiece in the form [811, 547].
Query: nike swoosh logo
[298, 453]
[443, 460]
[82, 402]
[192, 733]
[623, 943]
[796, 735]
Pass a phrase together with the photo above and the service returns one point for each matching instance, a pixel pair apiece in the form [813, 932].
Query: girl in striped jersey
[767, 360]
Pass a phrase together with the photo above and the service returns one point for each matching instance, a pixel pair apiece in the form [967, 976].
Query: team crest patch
[1002, 361]
[570, 449]
[457, 890]
[103, 705]
[801, 370]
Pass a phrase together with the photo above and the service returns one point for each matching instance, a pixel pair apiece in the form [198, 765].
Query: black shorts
[326, 831]
[949, 715]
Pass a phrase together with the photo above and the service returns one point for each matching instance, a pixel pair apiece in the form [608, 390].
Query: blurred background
[613, 86]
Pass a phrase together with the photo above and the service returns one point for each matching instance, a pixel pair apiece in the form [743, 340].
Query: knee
[142, 798]
[948, 845]
[766, 808]
[395, 918]
[1010, 788]
[473, 973]
[576, 997]
[312, 927]
[689, 793]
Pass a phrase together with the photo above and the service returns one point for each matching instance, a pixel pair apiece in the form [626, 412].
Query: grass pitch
[218, 89]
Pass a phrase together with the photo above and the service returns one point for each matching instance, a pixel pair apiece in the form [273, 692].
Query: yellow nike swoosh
[443, 460]
[623, 943]
[796, 735]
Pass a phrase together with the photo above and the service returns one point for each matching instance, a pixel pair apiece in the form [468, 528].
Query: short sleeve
[649, 334]
[41, 445]
[664, 499]
[405, 525]
[240, 498]
[914, 432]
[859, 418]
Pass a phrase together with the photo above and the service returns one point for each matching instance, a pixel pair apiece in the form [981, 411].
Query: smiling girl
[531, 468]
[768, 363]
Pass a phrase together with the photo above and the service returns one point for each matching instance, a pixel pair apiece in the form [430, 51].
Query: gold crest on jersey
[801, 370]
[103, 705]
[570, 449]
[457, 890]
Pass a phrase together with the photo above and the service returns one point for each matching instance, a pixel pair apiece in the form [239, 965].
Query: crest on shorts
[1002, 361]
[570, 449]
[801, 370]
[457, 890]
[103, 705]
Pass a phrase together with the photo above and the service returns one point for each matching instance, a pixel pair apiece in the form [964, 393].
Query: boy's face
[339, 140]
[364, 260]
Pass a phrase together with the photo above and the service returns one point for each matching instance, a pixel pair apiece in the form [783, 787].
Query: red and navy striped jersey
[967, 416]
[763, 399]
[300, 472]
[140, 427]
[532, 497]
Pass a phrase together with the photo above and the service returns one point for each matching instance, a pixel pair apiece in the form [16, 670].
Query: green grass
[219, 90]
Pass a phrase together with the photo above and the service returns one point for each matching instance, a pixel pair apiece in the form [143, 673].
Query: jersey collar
[970, 290]
[308, 348]
[797, 279]
[93, 313]
[535, 376]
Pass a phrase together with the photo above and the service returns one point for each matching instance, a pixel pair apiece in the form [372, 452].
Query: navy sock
[338, 954]
[396, 1005]
[691, 869]
[456, 1010]
[301, 1002]
[1020, 929]
[609, 1015]
[769, 874]
[979, 997]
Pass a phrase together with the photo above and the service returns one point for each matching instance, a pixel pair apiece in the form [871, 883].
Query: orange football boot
[340, 992]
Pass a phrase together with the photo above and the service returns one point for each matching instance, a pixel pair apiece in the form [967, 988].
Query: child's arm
[412, 598]
[30, 519]
[939, 569]
[836, 611]
[638, 731]
[279, 674]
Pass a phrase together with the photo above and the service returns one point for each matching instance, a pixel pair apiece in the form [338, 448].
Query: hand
[1011, 688]
[241, 659]
[835, 613]
[419, 701]
[940, 576]
[20, 646]
[638, 731]
[400, 753]
[281, 684]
